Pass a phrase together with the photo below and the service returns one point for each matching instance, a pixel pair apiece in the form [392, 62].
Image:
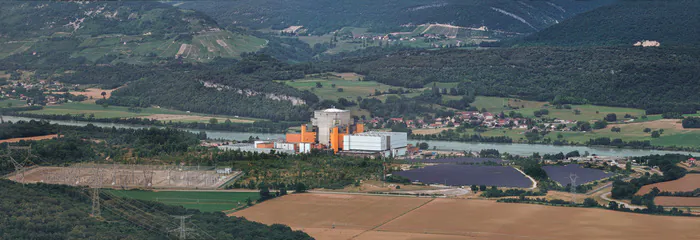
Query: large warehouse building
[379, 143]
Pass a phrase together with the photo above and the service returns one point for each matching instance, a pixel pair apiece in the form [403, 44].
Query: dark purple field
[560, 174]
[465, 175]
[459, 160]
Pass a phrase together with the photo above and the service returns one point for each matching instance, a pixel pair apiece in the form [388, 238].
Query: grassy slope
[203, 201]
[93, 40]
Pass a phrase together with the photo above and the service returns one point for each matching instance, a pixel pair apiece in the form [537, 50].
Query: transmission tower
[182, 230]
[95, 188]
[20, 167]
[147, 177]
[573, 178]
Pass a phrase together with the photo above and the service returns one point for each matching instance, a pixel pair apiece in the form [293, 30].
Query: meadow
[203, 201]
[351, 88]
[12, 103]
[527, 108]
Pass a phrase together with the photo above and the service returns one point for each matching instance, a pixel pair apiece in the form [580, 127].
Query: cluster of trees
[691, 122]
[90, 143]
[26, 129]
[44, 211]
[605, 141]
[452, 135]
[315, 170]
[494, 192]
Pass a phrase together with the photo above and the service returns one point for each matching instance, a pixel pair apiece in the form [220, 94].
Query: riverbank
[513, 148]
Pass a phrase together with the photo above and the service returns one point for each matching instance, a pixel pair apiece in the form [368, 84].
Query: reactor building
[335, 129]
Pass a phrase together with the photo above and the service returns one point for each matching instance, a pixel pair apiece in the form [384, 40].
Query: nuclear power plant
[336, 130]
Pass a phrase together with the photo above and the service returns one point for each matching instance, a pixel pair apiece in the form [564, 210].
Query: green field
[203, 201]
[527, 108]
[99, 111]
[673, 135]
[351, 89]
[12, 102]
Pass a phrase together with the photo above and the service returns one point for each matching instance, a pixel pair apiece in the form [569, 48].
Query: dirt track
[376, 217]
[13, 140]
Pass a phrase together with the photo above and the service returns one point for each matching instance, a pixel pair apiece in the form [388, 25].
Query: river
[512, 148]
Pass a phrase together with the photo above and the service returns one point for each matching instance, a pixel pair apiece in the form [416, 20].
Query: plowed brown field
[332, 216]
[678, 201]
[685, 184]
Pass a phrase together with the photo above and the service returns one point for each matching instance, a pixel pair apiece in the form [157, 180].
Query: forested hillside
[243, 88]
[110, 32]
[670, 22]
[43, 211]
[323, 16]
[659, 79]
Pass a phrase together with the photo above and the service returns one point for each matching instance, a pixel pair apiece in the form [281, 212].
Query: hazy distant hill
[323, 16]
[674, 22]
[109, 32]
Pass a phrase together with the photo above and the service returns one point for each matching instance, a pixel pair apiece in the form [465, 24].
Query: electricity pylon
[182, 230]
[573, 178]
[20, 167]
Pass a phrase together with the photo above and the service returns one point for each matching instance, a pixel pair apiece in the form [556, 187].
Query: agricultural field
[351, 88]
[12, 48]
[161, 114]
[685, 184]
[223, 44]
[466, 175]
[677, 201]
[335, 216]
[201, 200]
[561, 174]
[12, 102]
[203, 46]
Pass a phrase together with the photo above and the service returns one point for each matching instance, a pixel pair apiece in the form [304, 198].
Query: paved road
[627, 205]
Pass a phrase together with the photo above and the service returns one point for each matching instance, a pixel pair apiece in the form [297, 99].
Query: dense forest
[90, 143]
[670, 22]
[43, 211]
[613, 76]
[324, 16]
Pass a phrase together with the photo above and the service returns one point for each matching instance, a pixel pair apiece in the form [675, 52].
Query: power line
[20, 167]
[182, 230]
[573, 178]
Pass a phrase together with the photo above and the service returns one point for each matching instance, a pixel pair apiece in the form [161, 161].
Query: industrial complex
[334, 129]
